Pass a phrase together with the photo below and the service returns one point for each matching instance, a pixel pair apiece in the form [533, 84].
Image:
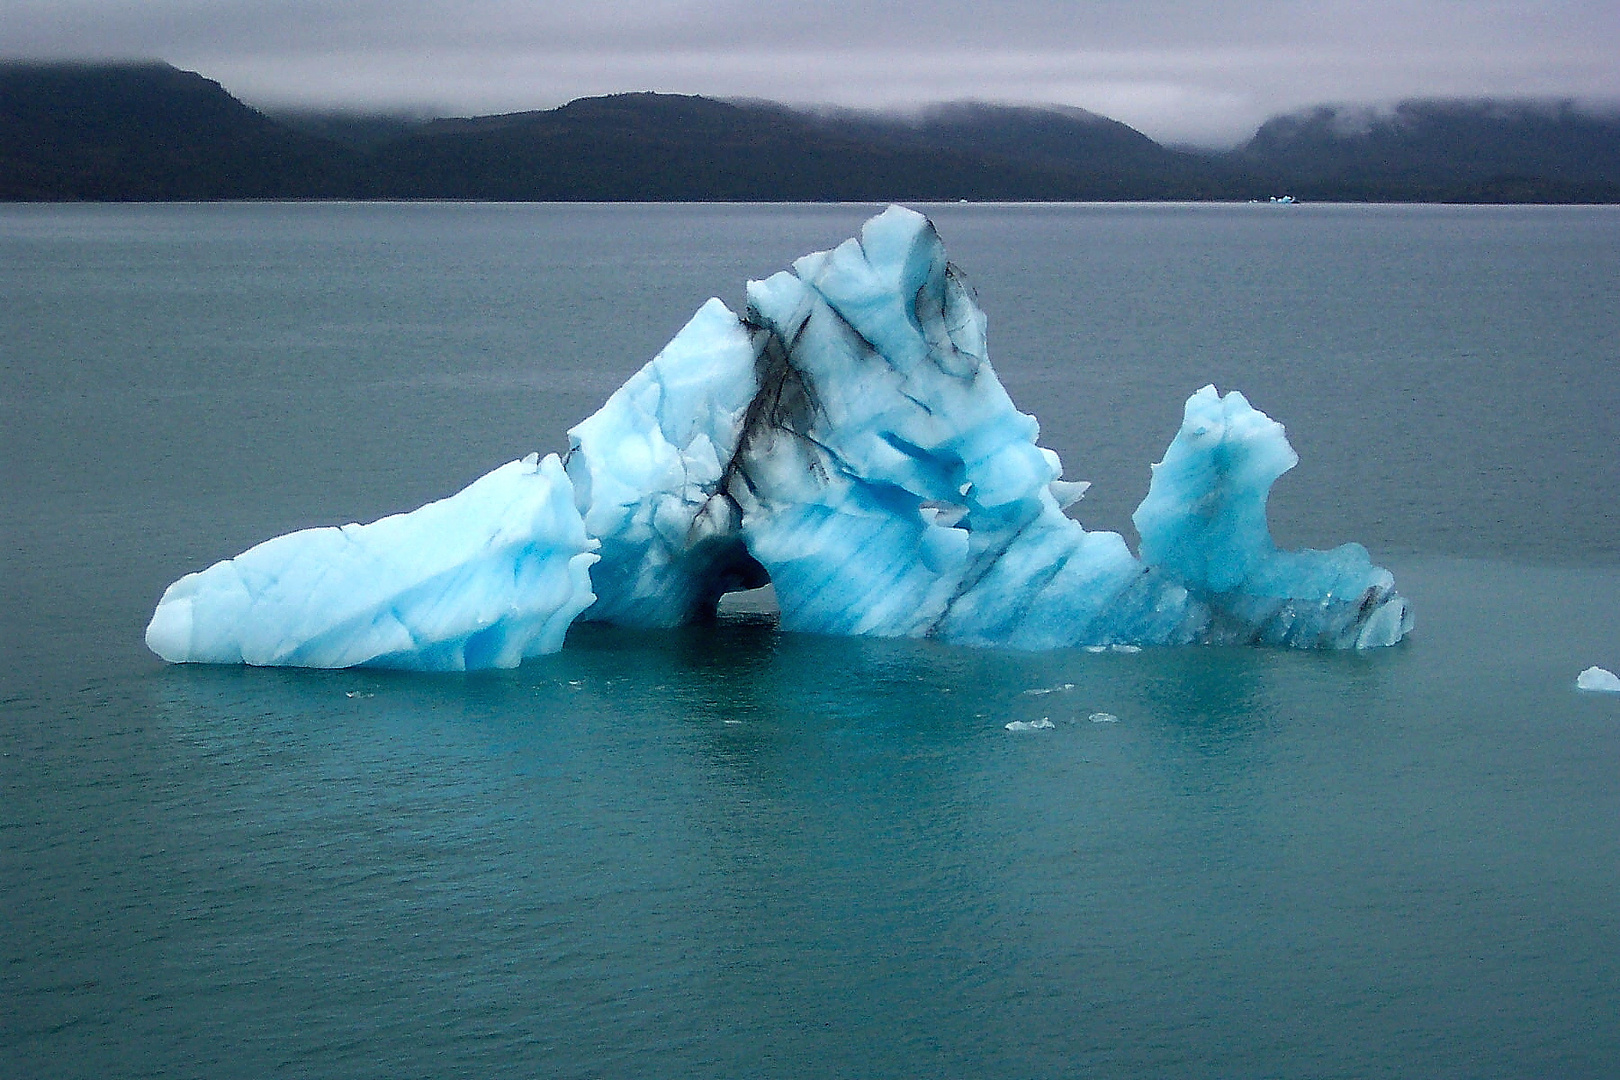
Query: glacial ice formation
[1598, 679]
[648, 469]
[847, 441]
[485, 578]
[1204, 523]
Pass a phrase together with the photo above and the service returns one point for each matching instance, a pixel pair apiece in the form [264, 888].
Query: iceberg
[845, 440]
[1601, 680]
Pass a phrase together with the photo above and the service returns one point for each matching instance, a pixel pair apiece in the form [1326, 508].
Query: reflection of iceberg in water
[846, 440]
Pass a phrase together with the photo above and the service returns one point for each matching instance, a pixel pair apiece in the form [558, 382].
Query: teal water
[734, 852]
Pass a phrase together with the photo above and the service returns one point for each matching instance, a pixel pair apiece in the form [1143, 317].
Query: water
[729, 851]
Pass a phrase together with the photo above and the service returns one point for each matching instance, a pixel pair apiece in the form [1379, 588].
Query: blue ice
[484, 578]
[846, 440]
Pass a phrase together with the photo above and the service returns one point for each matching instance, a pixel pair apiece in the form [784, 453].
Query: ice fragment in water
[1104, 718]
[1049, 690]
[1599, 679]
[846, 441]
[1030, 725]
[1204, 523]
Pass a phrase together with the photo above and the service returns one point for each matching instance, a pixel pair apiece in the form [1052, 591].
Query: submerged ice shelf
[845, 440]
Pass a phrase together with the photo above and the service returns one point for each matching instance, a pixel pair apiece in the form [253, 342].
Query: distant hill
[663, 146]
[149, 131]
[1455, 151]
[1102, 154]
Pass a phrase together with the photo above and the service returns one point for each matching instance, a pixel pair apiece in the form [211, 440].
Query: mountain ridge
[147, 130]
[150, 131]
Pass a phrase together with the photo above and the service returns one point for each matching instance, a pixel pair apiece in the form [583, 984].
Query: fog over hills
[149, 131]
[1452, 150]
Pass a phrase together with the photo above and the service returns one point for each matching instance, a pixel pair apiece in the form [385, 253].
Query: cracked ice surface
[647, 470]
[892, 488]
[846, 440]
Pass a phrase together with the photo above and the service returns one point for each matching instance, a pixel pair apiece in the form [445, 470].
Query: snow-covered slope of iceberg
[484, 578]
[846, 440]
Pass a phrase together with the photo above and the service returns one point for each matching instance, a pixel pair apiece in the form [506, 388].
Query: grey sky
[1180, 70]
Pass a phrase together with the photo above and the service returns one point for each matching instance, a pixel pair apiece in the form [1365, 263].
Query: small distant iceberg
[1043, 724]
[844, 440]
[1599, 679]
[1041, 691]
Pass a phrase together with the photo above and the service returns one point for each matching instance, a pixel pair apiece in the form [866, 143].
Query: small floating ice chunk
[1030, 725]
[1104, 718]
[1600, 679]
[1038, 691]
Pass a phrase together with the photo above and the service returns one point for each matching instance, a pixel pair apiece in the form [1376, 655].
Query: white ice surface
[1600, 679]
[1041, 691]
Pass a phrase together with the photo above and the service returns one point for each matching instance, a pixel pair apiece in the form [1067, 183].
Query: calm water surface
[734, 852]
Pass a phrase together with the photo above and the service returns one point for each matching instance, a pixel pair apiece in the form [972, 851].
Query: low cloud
[1182, 72]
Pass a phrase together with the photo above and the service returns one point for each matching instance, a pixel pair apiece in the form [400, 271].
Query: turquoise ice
[484, 578]
[846, 440]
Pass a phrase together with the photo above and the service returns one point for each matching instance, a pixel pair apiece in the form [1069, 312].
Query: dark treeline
[119, 132]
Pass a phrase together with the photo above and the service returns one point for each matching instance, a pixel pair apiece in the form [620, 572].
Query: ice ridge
[845, 439]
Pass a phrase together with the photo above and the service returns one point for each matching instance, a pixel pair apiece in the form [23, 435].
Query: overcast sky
[1180, 70]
